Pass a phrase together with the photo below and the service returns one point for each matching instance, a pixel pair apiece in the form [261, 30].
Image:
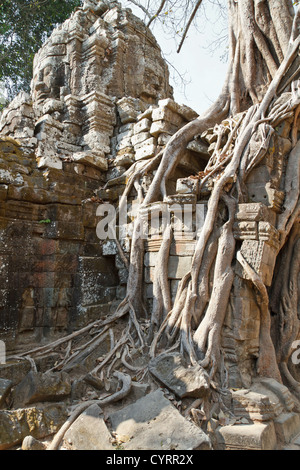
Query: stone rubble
[153, 423]
[89, 432]
[39, 387]
[5, 388]
[38, 421]
[264, 417]
[170, 370]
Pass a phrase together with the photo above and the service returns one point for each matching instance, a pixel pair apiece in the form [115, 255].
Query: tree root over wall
[193, 324]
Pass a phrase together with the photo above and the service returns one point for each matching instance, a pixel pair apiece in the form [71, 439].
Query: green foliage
[24, 26]
[45, 221]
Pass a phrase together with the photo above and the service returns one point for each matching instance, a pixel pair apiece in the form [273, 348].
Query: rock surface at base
[89, 431]
[153, 423]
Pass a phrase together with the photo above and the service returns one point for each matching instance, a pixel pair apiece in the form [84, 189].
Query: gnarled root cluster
[194, 323]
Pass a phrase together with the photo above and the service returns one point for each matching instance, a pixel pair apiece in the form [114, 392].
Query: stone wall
[53, 274]
[57, 149]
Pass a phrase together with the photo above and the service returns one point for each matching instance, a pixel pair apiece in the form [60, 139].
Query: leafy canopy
[24, 26]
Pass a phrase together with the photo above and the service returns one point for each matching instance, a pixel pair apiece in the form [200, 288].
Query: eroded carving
[99, 55]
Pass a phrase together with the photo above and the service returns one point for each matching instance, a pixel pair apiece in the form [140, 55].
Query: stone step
[255, 436]
[282, 433]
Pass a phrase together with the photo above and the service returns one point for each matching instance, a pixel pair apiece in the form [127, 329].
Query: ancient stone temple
[91, 79]
[100, 108]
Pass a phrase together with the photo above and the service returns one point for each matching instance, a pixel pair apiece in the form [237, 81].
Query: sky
[201, 64]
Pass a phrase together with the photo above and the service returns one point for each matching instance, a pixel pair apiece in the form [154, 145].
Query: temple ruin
[100, 107]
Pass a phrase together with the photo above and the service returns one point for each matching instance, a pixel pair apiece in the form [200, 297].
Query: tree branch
[157, 13]
[141, 7]
[189, 24]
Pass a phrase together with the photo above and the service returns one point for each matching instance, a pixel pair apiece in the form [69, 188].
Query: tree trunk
[259, 33]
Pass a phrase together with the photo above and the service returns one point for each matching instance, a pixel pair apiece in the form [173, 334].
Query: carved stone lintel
[245, 230]
[255, 221]
[276, 198]
[255, 212]
[261, 257]
[269, 234]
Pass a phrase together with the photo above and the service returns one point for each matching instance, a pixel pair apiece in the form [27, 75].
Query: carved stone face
[48, 81]
[152, 84]
[84, 56]
[99, 55]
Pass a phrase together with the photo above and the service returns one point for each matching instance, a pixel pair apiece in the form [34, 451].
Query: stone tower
[101, 54]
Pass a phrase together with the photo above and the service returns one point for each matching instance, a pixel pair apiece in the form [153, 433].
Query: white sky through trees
[202, 61]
